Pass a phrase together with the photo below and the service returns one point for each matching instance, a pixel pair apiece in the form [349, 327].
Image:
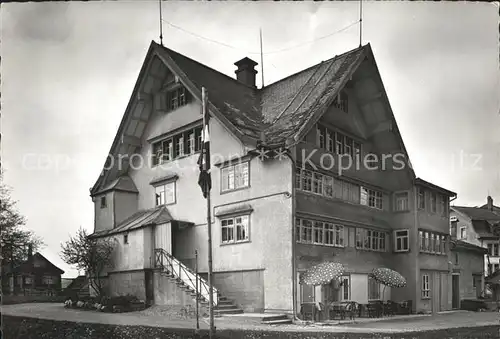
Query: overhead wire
[268, 53]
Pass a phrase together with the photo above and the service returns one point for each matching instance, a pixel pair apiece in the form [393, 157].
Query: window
[421, 198]
[330, 141]
[425, 286]
[322, 137]
[443, 203]
[371, 240]
[318, 183]
[456, 258]
[177, 98]
[493, 250]
[474, 284]
[328, 186]
[422, 240]
[463, 232]
[165, 194]
[346, 288]
[401, 241]
[234, 176]
[492, 268]
[103, 202]
[341, 102]
[320, 233]
[178, 145]
[401, 201]
[370, 198]
[47, 280]
[373, 289]
[433, 202]
[235, 230]
[191, 142]
[28, 280]
[432, 242]
[125, 238]
[336, 142]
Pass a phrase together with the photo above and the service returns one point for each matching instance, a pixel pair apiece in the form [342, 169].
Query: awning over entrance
[155, 216]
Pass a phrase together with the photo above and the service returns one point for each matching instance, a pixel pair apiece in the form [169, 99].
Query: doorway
[455, 292]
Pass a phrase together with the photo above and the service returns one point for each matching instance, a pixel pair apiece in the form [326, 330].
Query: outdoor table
[337, 308]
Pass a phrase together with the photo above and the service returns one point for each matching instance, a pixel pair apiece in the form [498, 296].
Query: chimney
[490, 203]
[246, 71]
[30, 251]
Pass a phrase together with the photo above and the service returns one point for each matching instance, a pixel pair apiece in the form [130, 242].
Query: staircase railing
[166, 262]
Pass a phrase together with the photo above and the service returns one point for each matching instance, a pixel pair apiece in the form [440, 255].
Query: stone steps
[224, 305]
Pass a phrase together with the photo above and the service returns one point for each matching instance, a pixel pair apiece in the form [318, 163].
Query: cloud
[45, 22]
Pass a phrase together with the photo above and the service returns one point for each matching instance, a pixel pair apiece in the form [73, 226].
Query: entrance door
[455, 292]
[163, 237]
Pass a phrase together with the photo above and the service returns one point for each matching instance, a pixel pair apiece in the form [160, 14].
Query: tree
[14, 238]
[91, 255]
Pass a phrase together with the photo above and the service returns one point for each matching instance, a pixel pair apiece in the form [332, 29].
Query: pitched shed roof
[463, 245]
[155, 216]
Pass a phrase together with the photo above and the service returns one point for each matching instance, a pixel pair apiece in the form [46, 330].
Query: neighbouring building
[467, 281]
[283, 195]
[475, 225]
[36, 275]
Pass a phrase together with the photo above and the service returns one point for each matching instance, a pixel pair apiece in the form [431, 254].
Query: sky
[68, 70]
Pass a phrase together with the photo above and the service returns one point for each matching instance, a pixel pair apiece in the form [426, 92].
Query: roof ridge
[258, 90]
[315, 65]
[169, 50]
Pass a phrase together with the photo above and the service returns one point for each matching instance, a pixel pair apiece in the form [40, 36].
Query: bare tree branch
[90, 255]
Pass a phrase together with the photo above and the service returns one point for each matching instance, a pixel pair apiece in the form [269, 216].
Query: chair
[375, 309]
[390, 308]
[405, 307]
[309, 311]
[352, 308]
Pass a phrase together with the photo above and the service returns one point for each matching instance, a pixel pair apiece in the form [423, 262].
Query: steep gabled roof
[422, 182]
[475, 213]
[28, 266]
[278, 115]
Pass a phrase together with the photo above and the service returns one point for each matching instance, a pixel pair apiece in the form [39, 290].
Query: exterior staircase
[189, 281]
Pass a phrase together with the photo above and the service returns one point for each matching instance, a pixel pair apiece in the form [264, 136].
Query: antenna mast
[261, 58]
[360, 22]
[161, 25]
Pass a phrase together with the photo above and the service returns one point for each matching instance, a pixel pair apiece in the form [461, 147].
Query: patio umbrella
[388, 277]
[322, 274]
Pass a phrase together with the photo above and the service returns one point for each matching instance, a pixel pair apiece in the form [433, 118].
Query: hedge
[33, 328]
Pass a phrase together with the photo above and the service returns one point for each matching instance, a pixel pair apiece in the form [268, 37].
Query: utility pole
[197, 290]
[204, 96]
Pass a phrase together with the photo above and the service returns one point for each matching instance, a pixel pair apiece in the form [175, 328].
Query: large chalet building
[284, 197]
